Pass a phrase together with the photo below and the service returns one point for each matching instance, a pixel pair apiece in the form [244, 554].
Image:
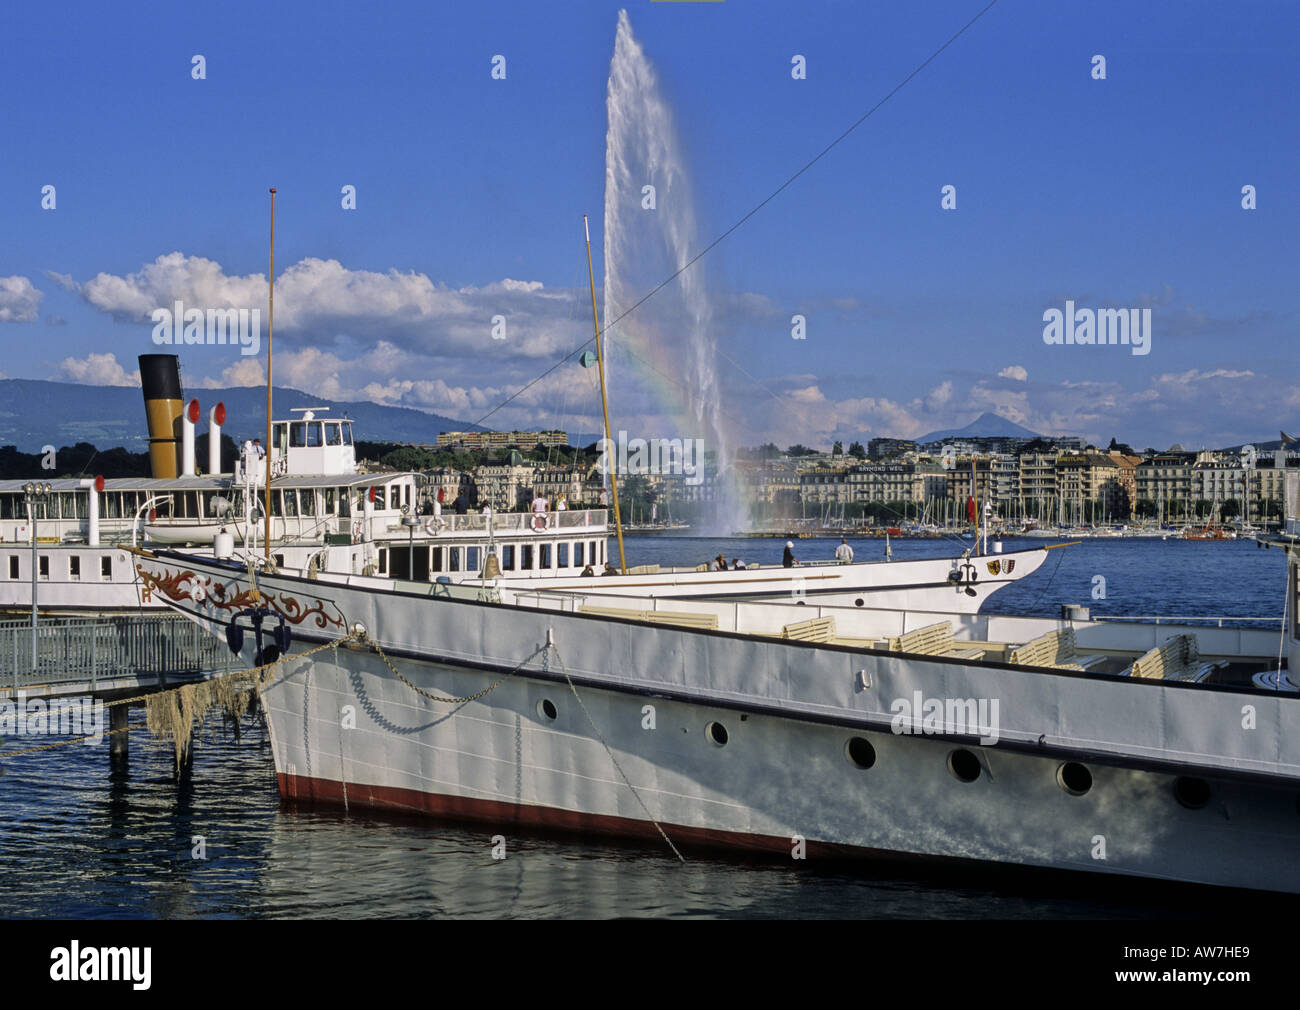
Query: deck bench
[932, 640]
[1056, 650]
[1171, 661]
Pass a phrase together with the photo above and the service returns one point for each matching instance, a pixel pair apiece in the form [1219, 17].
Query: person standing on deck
[844, 553]
[788, 559]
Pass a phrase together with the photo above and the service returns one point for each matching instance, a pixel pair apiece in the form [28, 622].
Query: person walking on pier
[788, 559]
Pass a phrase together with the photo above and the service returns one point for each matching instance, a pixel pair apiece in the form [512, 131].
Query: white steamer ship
[1154, 751]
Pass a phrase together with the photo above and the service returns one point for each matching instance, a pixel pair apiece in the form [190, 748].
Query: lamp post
[35, 494]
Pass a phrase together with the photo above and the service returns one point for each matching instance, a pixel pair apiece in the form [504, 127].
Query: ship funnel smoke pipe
[160, 377]
[94, 487]
[188, 422]
[216, 418]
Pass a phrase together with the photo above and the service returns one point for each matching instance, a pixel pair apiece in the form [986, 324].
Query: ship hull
[779, 785]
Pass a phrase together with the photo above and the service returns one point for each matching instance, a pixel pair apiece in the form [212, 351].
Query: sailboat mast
[270, 333]
[604, 404]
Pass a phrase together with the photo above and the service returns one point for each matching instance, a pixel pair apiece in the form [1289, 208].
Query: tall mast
[604, 404]
[270, 335]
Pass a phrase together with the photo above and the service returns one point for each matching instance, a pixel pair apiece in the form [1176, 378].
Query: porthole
[1074, 778]
[1193, 793]
[800, 604]
[717, 734]
[860, 752]
[546, 709]
[964, 765]
[859, 602]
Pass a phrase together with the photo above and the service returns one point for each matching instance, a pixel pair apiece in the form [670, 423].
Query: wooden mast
[270, 334]
[604, 404]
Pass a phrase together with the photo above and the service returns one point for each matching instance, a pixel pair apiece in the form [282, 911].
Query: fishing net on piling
[181, 712]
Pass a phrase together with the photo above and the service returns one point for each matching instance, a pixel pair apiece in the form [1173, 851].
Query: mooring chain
[447, 701]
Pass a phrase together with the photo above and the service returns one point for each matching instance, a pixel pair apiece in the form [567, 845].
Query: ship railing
[519, 522]
[1215, 621]
[86, 650]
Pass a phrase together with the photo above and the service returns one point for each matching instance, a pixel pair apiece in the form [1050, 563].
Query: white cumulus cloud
[20, 301]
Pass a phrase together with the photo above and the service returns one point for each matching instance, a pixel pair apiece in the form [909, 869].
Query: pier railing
[88, 650]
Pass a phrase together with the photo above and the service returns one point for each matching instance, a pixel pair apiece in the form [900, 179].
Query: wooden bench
[674, 617]
[681, 619]
[819, 629]
[932, 640]
[1055, 649]
[1171, 660]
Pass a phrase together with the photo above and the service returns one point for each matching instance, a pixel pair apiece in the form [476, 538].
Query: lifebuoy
[433, 524]
[539, 523]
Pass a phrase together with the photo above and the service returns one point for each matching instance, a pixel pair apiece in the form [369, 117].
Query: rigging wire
[772, 196]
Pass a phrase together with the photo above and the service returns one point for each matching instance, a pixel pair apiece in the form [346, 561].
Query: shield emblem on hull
[995, 567]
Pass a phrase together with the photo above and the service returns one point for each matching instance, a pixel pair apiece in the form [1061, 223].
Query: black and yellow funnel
[160, 375]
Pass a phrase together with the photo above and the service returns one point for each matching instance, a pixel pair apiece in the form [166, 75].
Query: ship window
[332, 434]
[291, 503]
[453, 559]
[379, 497]
[308, 502]
[436, 566]
[44, 566]
[347, 434]
[964, 765]
[544, 552]
[508, 558]
[13, 566]
[860, 752]
[345, 503]
[9, 506]
[74, 568]
[328, 495]
[314, 438]
[471, 559]
[577, 555]
[298, 435]
[562, 555]
[106, 568]
[526, 558]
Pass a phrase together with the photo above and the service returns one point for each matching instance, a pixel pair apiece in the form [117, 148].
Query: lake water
[77, 841]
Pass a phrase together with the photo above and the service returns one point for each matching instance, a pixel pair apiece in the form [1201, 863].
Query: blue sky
[1121, 192]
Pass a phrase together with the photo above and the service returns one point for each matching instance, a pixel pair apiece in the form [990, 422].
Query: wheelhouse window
[333, 434]
[314, 438]
[106, 568]
[298, 435]
[347, 433]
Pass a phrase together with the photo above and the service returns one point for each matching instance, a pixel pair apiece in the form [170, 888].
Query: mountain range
[39, 412]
